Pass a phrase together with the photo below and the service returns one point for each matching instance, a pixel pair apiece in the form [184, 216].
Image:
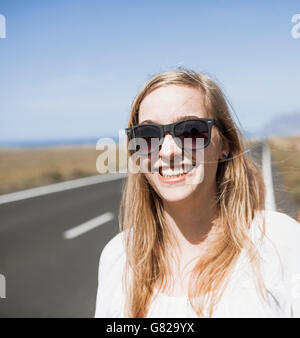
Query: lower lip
[174, 180]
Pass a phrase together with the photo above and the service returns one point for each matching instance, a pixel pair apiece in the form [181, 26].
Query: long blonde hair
[241, 193]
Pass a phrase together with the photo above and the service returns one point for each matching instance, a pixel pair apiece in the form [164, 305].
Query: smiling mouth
[175, 172]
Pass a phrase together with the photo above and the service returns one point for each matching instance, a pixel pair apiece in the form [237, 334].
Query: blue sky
[71, 68]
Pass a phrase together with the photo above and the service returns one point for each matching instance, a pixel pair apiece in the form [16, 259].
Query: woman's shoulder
[282, 229]
[111, 263]
[281, 240]
[114, 250]
[281, 257]
[109, 293]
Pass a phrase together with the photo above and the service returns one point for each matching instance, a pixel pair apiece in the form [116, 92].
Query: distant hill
[282, 125]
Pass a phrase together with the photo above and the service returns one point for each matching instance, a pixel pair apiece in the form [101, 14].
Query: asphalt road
[48, 275]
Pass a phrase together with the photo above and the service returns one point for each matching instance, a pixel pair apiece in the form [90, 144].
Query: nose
[169, 148]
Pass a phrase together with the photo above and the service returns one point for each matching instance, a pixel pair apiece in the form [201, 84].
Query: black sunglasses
[191, 128]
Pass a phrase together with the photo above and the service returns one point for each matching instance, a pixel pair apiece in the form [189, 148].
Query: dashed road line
[88, 226]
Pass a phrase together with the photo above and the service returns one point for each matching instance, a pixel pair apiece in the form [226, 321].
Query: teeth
[170, 172]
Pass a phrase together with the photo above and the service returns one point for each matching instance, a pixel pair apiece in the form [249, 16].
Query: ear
[224, 150]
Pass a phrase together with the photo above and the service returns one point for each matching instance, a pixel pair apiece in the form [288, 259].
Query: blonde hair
[241, 193]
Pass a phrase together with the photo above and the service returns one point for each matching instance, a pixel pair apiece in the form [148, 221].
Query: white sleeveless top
[280, 267]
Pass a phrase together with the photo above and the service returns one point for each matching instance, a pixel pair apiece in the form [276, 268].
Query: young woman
[195, 240]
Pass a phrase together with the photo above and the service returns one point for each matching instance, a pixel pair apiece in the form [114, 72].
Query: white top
[280, 266]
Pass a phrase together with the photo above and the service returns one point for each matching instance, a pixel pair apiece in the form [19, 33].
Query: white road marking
[56, 187]
[267, 173]
[88, 226]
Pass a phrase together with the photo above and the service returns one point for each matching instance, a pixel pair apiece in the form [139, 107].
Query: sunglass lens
[147, 138]
[191, 133]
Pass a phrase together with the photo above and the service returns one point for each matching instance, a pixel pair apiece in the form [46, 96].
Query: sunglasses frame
[169, 128]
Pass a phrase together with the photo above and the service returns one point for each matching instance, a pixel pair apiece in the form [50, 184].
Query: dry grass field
[286, 155]
[23, 168]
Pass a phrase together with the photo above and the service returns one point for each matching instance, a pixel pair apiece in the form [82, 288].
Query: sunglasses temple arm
[220, 126]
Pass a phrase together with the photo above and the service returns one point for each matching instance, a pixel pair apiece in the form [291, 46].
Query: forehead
[165, 104]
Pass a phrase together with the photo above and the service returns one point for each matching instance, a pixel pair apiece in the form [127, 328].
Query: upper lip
[183, 166]
[177, 167]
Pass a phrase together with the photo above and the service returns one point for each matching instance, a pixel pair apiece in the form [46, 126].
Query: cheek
[145, 165]
[206, 162]
[210, 164]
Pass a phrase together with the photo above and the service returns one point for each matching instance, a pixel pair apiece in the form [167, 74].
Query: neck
[191, 221]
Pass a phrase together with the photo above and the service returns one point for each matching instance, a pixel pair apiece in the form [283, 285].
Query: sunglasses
[191, 129]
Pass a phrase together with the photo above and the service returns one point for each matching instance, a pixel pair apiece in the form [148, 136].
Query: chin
[177, 191]
[176, 196]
